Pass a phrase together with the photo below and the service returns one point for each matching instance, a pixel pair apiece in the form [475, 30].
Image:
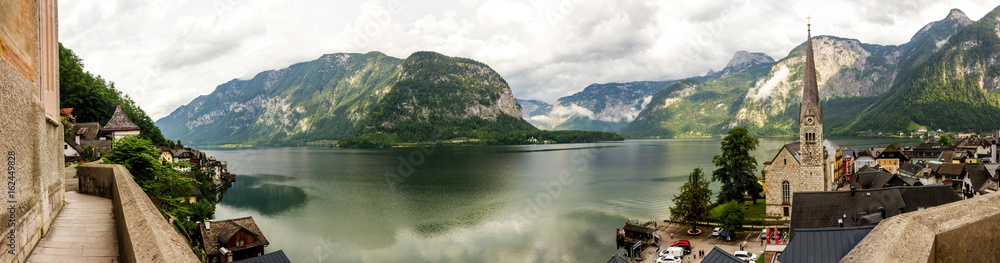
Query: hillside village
[826, 203]
[231, 240]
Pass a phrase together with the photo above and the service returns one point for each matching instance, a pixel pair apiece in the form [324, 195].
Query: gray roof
[951, 169]
[87, 130]
[917, 197]
[72, 144]
[717, 255]
[978, 176]
[273, 257]
[910, 169]
[223, 230]
[823, 209]
[120, 122]
[617, 259]
[819, 245]
[992, 169]
[101, 145]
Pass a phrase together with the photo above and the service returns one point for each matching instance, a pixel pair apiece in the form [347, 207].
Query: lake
[530, 203]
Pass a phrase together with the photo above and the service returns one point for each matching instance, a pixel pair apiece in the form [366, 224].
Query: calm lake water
[535, 203]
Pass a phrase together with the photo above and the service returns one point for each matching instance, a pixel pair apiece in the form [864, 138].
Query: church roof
[120, 122]
[810, 90]
[823, 209]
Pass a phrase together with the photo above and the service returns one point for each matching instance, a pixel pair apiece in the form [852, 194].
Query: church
[808, 165]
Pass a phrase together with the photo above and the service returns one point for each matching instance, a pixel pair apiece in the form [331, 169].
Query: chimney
[77, 139]
[208, 225]
[852, 190]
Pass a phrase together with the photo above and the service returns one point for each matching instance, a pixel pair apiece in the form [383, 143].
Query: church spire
[810, 91]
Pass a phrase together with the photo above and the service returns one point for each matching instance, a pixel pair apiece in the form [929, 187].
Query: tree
[732, 217]
[943, 139]
[736, 167]
[691, 205]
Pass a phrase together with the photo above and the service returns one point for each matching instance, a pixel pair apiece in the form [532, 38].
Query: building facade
[31, 137]
[807, 165]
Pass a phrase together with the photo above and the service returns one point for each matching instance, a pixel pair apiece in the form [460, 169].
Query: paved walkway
[84, 231]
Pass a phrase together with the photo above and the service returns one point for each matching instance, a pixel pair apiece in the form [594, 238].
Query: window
[240, 243]
[786, 192]
[786, 161]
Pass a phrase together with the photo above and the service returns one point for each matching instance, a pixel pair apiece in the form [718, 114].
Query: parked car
[668, 259]
[717, 231]
[763, 233]
[745, 255]
[681, 243]
[677, 252]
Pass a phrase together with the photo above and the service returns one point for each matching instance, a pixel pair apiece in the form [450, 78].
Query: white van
[674, 251]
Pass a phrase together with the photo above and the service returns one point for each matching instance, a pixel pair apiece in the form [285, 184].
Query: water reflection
[264, 193]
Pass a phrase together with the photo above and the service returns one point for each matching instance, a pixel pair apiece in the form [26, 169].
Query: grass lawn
[756, 211]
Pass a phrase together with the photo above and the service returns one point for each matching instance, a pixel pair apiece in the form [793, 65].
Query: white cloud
[165, 53]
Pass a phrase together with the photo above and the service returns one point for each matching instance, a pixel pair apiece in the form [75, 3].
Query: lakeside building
[230, 240]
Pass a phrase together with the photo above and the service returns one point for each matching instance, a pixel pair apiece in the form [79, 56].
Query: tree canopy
[736, 167]
[93, 99]
[732, 217]
[691, 206]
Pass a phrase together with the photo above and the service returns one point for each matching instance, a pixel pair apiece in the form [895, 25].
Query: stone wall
[143, 233]
[784, 167]
[30, 141]
[963, 231]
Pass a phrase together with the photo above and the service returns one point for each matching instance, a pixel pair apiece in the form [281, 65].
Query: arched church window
[786, 192]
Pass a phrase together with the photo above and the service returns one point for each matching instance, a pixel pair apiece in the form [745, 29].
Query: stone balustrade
[143, 233]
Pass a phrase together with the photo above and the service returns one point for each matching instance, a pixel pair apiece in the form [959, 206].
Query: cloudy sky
[165, 53]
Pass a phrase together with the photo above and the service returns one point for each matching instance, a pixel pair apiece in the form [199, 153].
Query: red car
[682, 243]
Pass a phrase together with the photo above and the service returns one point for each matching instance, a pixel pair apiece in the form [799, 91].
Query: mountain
[327, 98]
[955, 88]
[844, 67]
[851, 75]
[741, 61]
[364, 100]
[691, 108]
[599, 107]
[535, 111]
[440, 97]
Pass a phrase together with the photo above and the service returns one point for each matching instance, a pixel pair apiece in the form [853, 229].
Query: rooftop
[819, 245]
[221, 231]
[864, 207]
[120, 122]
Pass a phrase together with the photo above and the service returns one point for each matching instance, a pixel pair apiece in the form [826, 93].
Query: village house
[230, 240]
[863, 159]
[890, 158]
[848, 162]
[195, 188]
[120, 125]
[926, 152]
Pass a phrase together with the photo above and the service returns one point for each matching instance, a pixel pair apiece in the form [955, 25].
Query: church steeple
[811, 113]
[810, 91]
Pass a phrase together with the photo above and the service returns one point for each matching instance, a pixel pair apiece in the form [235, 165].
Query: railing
[143, 234]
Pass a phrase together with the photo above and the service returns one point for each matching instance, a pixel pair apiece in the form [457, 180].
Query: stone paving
[705, 242]
[84, 231]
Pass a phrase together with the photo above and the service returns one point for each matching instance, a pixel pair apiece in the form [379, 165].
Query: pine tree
[691, 206]
[736, 167]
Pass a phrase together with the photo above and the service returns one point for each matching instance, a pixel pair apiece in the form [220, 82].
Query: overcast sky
[165, 53]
